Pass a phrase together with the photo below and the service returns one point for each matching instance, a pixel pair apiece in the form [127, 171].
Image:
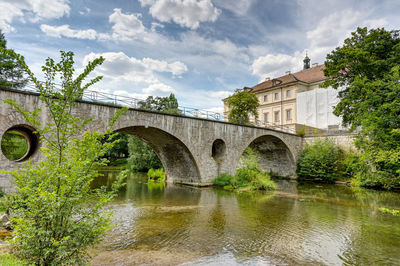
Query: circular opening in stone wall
[19, 143]
[218, 149]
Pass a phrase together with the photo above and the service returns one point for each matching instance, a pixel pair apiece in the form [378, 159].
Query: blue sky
[201, 50]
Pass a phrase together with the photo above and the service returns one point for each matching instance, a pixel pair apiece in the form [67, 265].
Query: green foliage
[11, 260]
[11, 73]
[120, 149]
[223, 180]
[390, 211]
[161, 104]
[242, 104]
[351, 164]
[156, 175]
[141, 156]
[301, 132]
[262, 181]
[368, 65]
[248, 175]
[320, 162]
[14, 145]
[57, 213]
[119, 162]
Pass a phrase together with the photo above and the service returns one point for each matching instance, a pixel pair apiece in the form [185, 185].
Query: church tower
[306, 62]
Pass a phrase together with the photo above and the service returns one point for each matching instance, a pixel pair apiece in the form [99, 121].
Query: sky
[200, 50]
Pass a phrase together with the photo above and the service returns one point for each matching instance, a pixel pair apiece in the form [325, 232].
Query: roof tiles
[310, 75]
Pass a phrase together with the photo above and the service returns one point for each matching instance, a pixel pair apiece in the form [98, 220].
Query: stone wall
[344, 140]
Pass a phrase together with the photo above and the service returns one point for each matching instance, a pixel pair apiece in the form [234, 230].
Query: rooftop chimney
[267, 78]
[314, 64]
[287, 72]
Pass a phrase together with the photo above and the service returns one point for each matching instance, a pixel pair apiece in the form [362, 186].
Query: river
[299, 224]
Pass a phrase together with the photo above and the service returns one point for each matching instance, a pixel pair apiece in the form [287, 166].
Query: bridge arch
[274, 154]
[178, 162]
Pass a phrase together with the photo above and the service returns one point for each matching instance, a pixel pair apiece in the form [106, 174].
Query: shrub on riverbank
[324, 161]
[249, 175]
[156, 175]
[320, 161]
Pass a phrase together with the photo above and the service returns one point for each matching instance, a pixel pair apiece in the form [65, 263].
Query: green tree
[58, 214]
[141, 156]
[120, 149]
[161, 104]
[242, 104]
[367, 68]
[11, 73]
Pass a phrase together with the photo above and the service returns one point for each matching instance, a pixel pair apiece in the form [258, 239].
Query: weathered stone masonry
[192, 150]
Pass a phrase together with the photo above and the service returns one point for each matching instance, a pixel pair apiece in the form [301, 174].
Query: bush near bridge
[248, 176]
[324, 161]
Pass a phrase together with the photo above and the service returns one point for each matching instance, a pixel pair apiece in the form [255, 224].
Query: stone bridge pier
[192, 150]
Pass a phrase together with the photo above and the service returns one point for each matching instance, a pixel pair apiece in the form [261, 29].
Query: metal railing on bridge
[131, 102]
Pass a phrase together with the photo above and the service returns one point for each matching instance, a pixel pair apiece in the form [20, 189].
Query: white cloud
[238, 7]
[176, 68]
[220, 94]
[45, 10]
[376, 23]
[66, 31]
[85, 11]
[155, 25]
[33, 10]
[120, 70]
[333, 28]
[159, 89]
[187, 13]
[273, 65]
[126, 26]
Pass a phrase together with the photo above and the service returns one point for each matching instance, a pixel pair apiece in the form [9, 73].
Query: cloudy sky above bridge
[201, 50]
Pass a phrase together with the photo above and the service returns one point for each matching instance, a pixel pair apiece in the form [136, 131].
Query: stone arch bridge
[192, 150]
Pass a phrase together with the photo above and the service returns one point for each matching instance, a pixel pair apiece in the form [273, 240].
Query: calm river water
[299, 224]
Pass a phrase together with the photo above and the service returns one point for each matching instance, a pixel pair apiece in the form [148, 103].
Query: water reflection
[297, 224]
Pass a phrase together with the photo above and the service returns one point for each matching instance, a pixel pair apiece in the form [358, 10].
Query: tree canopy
[161, 104]
[367, 56]
[242, 104]
[11, 73]
[366, 70]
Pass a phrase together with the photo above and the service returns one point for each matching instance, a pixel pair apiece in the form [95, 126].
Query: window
[277, 116]
[289, 114]
[266, 117]
[288, 92]
[265, 98]
[276, 95]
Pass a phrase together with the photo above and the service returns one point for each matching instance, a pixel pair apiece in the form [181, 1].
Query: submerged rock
[8, 225]
[4, 218]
